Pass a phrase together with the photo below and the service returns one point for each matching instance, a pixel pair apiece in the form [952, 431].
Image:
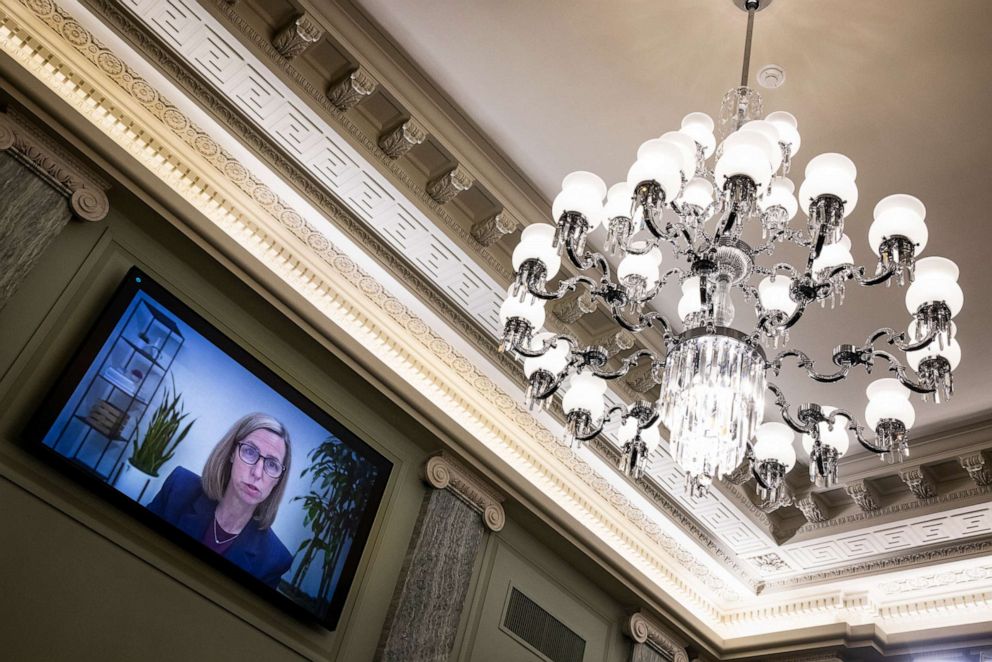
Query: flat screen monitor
[176, 423]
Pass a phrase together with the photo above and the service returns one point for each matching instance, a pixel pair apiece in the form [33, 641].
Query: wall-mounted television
[174, 422]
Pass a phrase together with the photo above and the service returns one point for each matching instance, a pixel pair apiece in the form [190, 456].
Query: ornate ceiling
[366, 186]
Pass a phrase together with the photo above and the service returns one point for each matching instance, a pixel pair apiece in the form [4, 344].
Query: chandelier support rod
[752, 6]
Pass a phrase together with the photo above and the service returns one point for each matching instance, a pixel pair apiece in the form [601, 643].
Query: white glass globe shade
[663, 168]
[899, 214]
[651, 437]
[780, 195]
[627, 430]
[698, 192]
[645, 265]
[773, 441]
[687, 147]
[584, 181]
[837, 438]
[554, 360]
[585, 391]
[888, 398]
[788, 129]
[774, 295]
[813, 187]
[579, 201]
[536, 244]
[936, 280]
[833, 165]
[770, 132]
[835, 254]
[699, 127]
[951, 352]
[744, 153]
[530, 309]
[690, 302]
[618, 201]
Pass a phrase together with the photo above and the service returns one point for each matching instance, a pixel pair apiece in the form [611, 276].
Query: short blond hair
[217, 470]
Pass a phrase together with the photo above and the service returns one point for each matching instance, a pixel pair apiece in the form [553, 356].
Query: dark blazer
[182, 503]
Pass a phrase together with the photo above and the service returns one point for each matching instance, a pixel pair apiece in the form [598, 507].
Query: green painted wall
[80, 580]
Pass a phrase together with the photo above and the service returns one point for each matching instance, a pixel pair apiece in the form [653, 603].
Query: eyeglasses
[250, 455]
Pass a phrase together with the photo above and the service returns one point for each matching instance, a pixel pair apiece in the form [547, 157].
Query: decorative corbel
[447, 185]
[863, 494]
[402, 138]
[299, 35]
[85, 189]
[920, 482]
[348, 91]
[812, 507]
[490, 230]
[443, 472]
[643, 629]
[641, 379]
[615, 342]
[570, 308]
[978, 468]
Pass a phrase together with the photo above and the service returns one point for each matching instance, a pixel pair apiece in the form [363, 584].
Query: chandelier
[694, 198]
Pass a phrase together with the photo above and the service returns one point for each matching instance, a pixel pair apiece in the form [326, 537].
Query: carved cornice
[403, 137]
[901, 507]
[52, 162]
[443, 472]
[299, 35]
[641, 378]
[864, 495]
[920, 483]
[490, 230]
[348, 91]
[978, 468]
[447, 185]
[644, 629]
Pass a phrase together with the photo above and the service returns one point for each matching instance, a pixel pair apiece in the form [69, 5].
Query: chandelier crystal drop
[720, 209]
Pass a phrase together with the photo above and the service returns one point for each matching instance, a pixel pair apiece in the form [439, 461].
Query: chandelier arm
[899, 340]
[627, 365]
[899, 369]
[555, 385]
[602, 423]
[646, 320]
[774, 270]
[854, 426]
[587, 260]
[783, 406]
[803, 361]
[857, 274]
[564, 287]
[545, 347]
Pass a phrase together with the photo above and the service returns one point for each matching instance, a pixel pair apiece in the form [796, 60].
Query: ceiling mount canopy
[716, 197]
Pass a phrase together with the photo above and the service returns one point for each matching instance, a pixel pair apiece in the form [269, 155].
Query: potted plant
[162, 436]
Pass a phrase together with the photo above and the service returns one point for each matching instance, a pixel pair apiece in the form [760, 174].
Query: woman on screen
[230, 509]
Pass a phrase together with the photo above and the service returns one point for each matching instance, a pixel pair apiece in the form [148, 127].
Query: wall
[83, 580]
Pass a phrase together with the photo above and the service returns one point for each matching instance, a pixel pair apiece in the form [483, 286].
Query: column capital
[863, 494]
[443, 472]
[643, 629]
[812, 508]
[87, 191]
[920, 482]
[978, 468]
